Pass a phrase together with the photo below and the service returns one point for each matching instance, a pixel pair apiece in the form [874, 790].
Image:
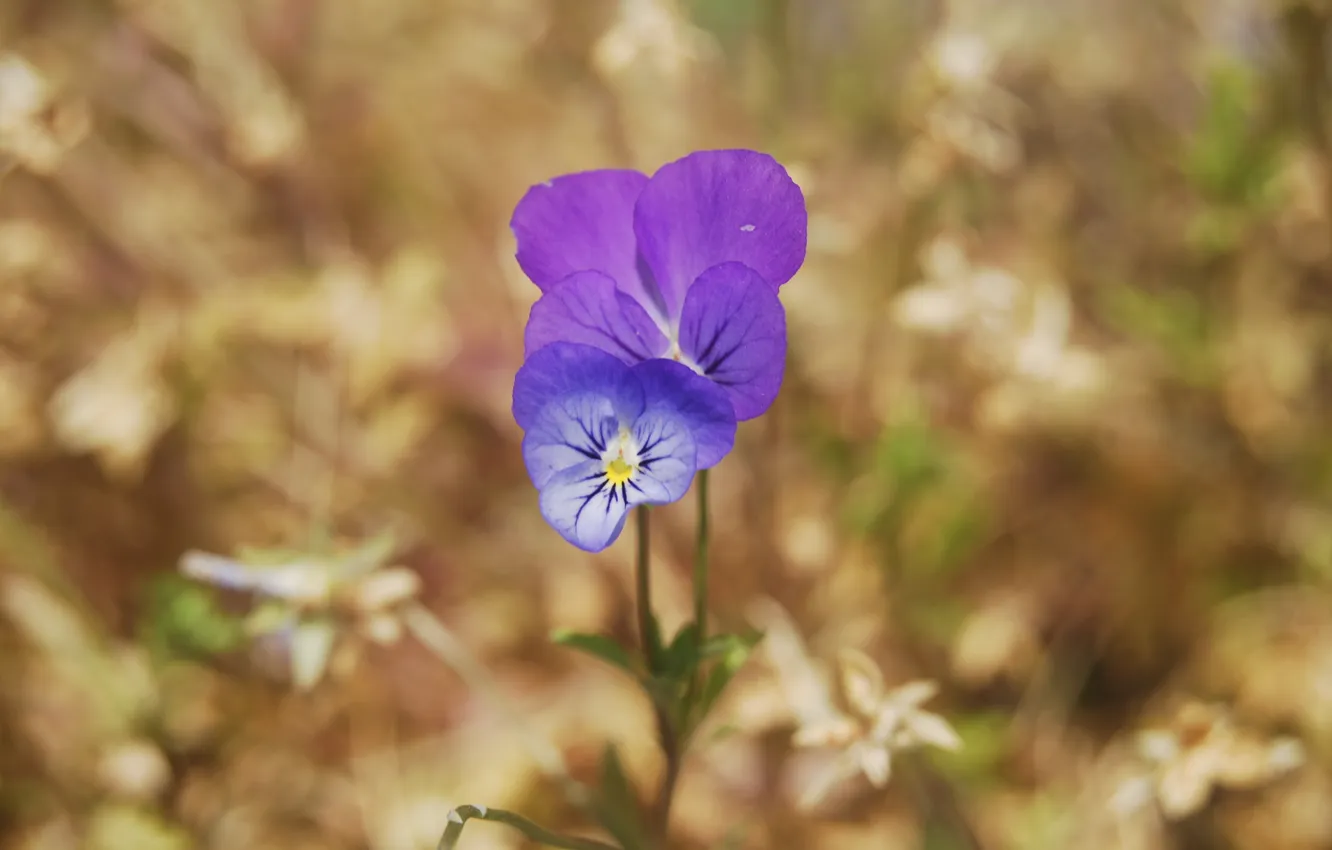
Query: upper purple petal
[714, 207]
[733, 328]
[566, 369]
[701, 404]
[587, 307]
[581, 222]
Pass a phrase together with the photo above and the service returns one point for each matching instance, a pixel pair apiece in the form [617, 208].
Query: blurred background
[1054, 432]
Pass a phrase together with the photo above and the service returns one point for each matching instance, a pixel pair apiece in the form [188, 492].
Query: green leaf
[682, 656]
[656, 649]
[617, 803]
[1231, 157]
[667, 694]
[734, 651]
[910, 457]
[598, 646]
[721, 645]
[713, 686]
[184, 619]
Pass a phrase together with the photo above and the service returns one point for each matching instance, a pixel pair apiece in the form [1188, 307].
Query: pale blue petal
[583, 506]
[566, 433]
[667, 458]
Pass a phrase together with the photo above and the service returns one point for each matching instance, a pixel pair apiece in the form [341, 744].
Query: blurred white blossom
[998, 640]
[1200, 751]
[1016, 330]
[36, 128]
[316, 605]
[263, 123]
[962, 60]
[653, 32]
[118, 405]
[863, 720]
[388, 321]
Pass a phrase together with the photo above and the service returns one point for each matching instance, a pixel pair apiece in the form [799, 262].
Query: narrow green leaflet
[617, 803]
[655, 650]
[732, 652]
[599, 647]
[682, 656]
[184, 619]
[721, 645]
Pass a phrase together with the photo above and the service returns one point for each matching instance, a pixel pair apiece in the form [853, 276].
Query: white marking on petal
[747, 228]
[676, 354]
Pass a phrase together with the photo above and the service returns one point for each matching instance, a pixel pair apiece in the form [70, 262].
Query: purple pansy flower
[685, 265]
[601, 436]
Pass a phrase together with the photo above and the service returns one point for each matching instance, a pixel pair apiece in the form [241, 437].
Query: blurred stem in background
[1307, 27]
[776, 28]
[445, 646]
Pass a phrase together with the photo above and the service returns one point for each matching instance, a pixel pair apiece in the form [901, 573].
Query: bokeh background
[1054, 432]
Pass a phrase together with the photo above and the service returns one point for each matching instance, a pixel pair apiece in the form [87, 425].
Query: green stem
[647, 635]
[647, 631]
[701, 561]
[460, 816]
[700, 592]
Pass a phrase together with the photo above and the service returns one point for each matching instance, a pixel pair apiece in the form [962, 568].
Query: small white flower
[308, 603]
[1202, 750]
[962, 59]
[36, 128]
[877, 724]
[868, 724]
[649, 31]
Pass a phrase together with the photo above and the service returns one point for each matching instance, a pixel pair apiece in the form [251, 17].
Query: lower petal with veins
[584, 506]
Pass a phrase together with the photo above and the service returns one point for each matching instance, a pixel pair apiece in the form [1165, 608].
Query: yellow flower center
[618, 472]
